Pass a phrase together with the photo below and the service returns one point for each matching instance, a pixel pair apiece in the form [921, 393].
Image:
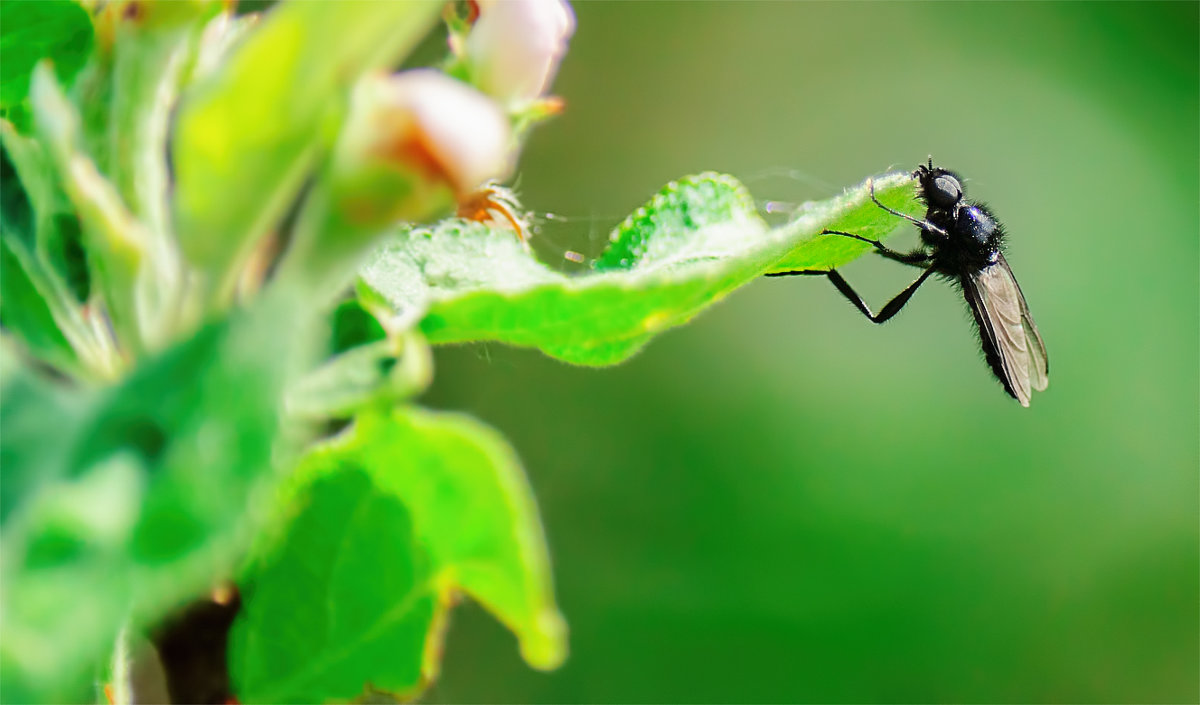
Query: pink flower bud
[427, 122]
[450, 127]
[515, 45]
[414, 143]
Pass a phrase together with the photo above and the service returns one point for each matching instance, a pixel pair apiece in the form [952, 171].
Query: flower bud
[414, 143]
[515, 46]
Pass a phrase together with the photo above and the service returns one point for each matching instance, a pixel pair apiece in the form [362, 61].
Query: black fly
[962, 241]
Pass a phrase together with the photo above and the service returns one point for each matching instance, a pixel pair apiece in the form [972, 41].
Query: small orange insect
[494, 204]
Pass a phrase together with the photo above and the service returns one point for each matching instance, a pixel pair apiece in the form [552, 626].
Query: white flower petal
[465, 132]
[515, 46]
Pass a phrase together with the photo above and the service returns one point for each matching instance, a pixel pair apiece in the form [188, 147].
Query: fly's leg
[924, 224]
[890, 309]
[916, 258]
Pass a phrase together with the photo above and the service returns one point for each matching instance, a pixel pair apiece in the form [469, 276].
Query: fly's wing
[1040, 372]
[1011, 342]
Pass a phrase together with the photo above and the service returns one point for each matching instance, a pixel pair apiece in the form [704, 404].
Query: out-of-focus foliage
[31, 31]
[145, 420]
[24, 310]
[138, 492]
[264, 116]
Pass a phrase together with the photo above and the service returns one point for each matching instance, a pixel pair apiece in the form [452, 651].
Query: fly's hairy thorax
[972, 241]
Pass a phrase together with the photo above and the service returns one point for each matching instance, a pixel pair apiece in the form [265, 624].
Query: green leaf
[135, 498]
[33, 407]
[345, 601]
[246, 136]
[351, 325]
[689, 247]
[382, 527]
[39, 423]
[45, 277]
[379, 374]
[32, 30]
[16, 210]
[152, 52]
[117, 243]
[23, 309]
[35, 206]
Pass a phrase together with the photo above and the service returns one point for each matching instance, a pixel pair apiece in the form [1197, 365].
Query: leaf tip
[544, 644]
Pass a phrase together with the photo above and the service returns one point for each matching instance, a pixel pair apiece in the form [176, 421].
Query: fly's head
[941, 189]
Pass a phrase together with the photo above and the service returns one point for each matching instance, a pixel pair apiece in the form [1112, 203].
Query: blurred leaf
[132, 499]
[384, 525]
[246, 135]
[32, 30]
[35, 206]
[155, 45]
[32, 407]
[690, 246]
[27, 287]
[368, 367]
[379, 374]
[222, 35]
[117, 243]
[61, 249]
[16, 211]
[23, 309]
[352, 325]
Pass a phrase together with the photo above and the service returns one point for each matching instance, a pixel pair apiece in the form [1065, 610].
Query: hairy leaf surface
[694, 243]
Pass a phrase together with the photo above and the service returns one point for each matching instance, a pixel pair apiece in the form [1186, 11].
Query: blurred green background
[782, 502]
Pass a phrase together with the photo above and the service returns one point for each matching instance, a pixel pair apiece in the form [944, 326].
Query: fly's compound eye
[944, 191]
